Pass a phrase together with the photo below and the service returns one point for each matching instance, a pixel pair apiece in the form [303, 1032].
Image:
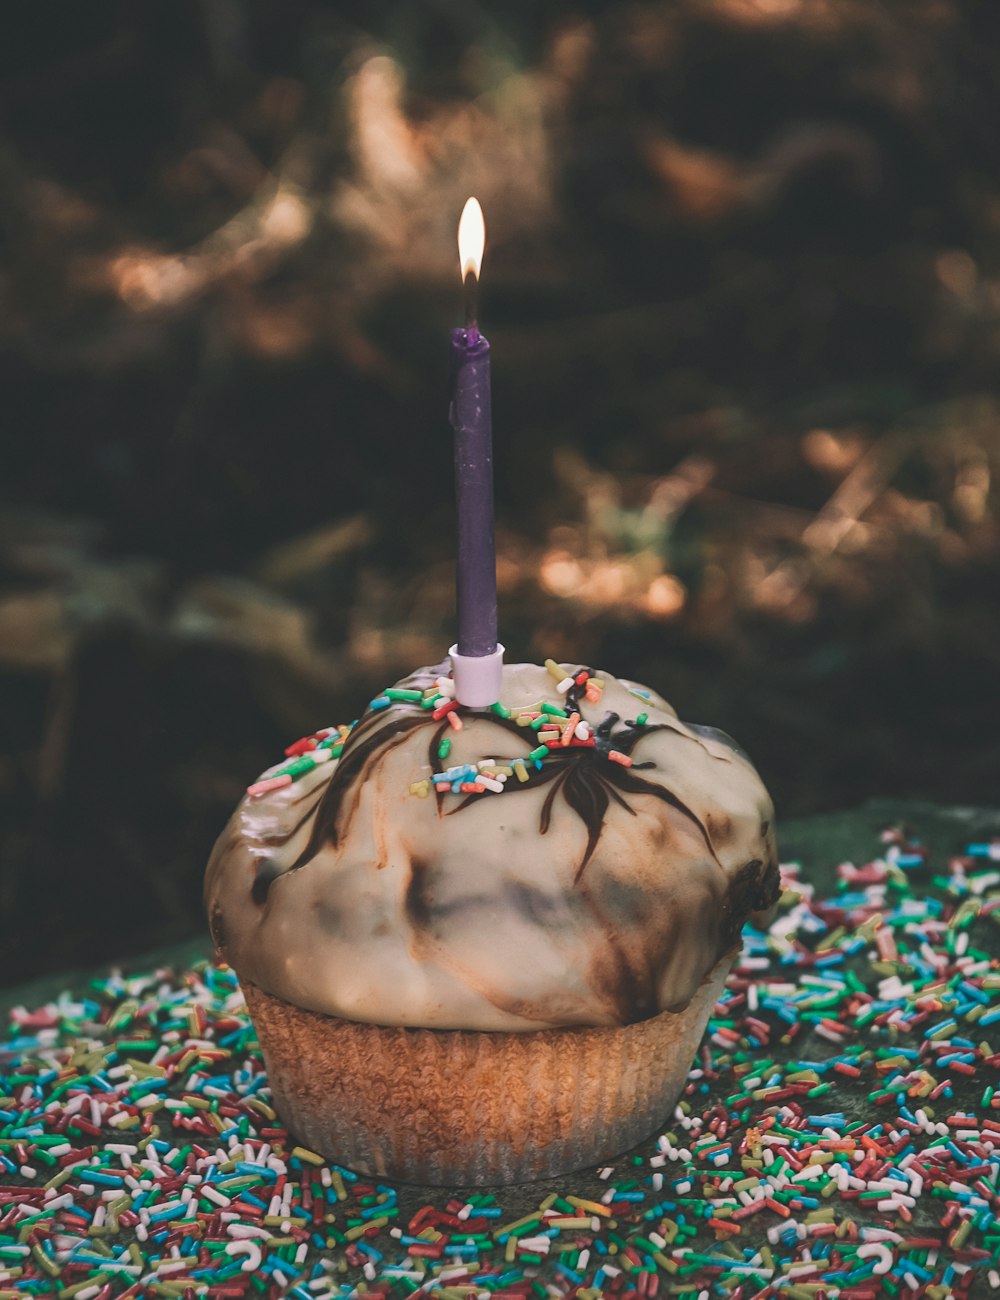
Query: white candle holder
[477, 679]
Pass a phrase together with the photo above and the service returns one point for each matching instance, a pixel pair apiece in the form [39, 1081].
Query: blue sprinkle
[165, 1216]
[259, 1171]
[98, 1176]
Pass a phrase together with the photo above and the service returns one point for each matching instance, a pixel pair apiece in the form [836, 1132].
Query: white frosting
[442, 912]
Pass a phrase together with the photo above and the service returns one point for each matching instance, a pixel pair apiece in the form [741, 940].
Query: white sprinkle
[252, 1255]
[244, 1230]
[876, 1250]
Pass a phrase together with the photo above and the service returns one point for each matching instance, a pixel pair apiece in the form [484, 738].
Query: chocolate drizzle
[586, 776]
[754, 888]
[365, 742]
[588, 779]
[268, 872]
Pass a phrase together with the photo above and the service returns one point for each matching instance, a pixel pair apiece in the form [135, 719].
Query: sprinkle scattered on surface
[839, 1136]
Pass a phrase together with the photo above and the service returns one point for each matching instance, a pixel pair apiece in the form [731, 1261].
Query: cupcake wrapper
[456, 1106]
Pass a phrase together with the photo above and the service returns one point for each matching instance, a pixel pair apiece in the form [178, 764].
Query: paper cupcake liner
[459, 1107]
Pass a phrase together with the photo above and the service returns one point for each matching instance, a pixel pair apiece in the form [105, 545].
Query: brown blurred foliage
[743, 289]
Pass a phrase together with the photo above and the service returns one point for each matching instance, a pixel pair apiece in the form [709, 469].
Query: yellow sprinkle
[960, 1234]
[517, 1223]
[43, 1261]
[304, 1153]
[360, 1229]
[593, 1207]
[97, 1279]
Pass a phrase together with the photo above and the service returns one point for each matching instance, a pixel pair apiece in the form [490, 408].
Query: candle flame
[471, 238]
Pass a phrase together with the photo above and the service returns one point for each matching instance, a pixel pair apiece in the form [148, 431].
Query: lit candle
[477, 658]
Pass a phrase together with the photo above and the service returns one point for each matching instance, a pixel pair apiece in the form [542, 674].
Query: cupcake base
[452, 1106]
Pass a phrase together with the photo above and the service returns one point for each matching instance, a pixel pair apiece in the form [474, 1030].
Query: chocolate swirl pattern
[598, 891]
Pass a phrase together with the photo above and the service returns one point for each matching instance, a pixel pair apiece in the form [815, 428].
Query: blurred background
[743, 288]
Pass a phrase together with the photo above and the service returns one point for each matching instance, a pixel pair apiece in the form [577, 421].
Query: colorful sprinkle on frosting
[556, 727]
[839, 1136]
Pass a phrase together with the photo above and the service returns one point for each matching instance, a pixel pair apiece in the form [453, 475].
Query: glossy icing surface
[597, 892]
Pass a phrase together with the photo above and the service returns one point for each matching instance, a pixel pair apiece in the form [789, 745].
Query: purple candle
[476, 585]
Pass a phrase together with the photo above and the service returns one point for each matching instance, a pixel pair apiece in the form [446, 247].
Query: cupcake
[481, 945]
